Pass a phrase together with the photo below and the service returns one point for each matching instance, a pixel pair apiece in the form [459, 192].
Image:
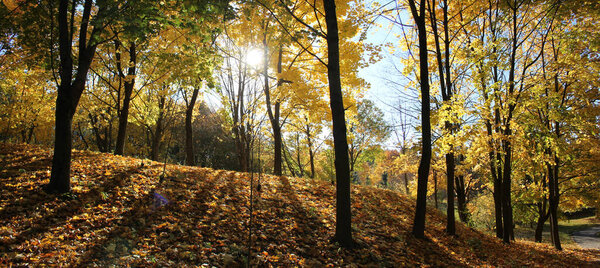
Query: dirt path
[588, 238]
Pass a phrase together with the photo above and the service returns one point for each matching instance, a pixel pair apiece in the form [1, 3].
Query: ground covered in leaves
[116, 215]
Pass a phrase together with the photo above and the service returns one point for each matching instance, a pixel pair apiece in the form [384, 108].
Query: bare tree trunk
[273, 115]
[311, 154]
[450, 217]
[189, 136]
[418, 229]
[343, 230]
[298, 159]
[553, 200]
[435, 189]
[159, 129]
[506, 189]
[446, 90]
[542, 218]
[69, 93]
[406, 183]
[461, 198]
[124, 112]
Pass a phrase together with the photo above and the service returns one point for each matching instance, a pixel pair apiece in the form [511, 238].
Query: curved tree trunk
[273, 112]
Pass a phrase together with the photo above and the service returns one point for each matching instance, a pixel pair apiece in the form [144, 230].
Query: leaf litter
[120, 214]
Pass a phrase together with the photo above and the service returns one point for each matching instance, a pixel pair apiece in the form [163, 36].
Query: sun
[254, 57]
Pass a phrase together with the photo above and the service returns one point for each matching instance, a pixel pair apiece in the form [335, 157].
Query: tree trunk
[311, 154]
[69, 93]
[418, 229]
[273, 115]
[553, 200]
[497, 197]
[446, 91]
[406, 183]
[542, 218]
[277, 157]
[61, 161]
[494, 169]
[158, 132]
[461, 198]
[298, 159]
[189, 139]
[435, 189]
[450, 217]
[124, 113]
[506, 189]
[343, 230]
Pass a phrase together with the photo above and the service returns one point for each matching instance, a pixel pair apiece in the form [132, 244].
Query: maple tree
[503, 92]
[418, 14]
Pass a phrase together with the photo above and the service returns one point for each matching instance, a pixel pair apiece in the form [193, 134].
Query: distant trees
[367, 128]
[493, 69]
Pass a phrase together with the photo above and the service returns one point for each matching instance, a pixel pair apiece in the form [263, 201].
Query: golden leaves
[206, 221]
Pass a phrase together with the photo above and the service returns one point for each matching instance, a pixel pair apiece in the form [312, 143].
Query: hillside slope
[114, 217]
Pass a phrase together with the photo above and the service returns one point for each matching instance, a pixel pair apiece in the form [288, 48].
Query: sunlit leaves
[110, 220]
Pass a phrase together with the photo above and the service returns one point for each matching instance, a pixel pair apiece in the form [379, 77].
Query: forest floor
[116, 215]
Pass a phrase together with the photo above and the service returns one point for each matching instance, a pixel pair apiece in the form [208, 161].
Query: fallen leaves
[113, 220]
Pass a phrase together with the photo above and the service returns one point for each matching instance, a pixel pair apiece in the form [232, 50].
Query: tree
[447, 92]
[307, 19]
[418, 14]
[343, 229]
[239, 89]
[367, 128]
[69, 90]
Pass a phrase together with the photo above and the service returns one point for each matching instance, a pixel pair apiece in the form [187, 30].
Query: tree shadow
[138, 225]
[301, 230]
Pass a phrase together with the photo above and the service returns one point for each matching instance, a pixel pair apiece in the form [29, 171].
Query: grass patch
[565, 228]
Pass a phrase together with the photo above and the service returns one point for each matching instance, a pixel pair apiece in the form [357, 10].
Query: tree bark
[461, 198]
[61, 162]
[507, 216]
[189, 136]
[446, 91]
[435, 189]
[418, 229]
[124, 113]
[159, 129]
[311, 154]
[542, 218]
[273, 115]
[450, 217]
[343, 230]
[553, 199]
[298, 159]
[69, 93]
[406, 183]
